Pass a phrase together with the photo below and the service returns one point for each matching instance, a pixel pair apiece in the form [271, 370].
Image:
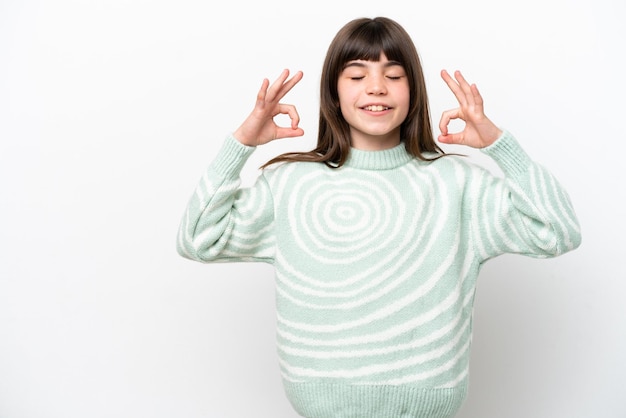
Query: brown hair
[366, 39]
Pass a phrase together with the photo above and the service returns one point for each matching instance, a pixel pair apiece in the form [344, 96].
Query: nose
[376, 86]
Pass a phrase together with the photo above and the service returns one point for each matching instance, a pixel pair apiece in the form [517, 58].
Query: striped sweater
[376, 264]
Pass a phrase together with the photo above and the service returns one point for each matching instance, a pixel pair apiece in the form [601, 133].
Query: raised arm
[223, 222]
[528, 212]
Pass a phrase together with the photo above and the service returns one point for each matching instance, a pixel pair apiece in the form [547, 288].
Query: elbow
[574, 236]
[567, 242]
[575, 241]
[186, 248]
[198, 248]
[182, 251]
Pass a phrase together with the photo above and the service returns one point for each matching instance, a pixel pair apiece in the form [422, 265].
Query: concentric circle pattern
[342, 221]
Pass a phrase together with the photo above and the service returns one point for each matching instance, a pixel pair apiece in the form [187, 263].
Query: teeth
[376, 108]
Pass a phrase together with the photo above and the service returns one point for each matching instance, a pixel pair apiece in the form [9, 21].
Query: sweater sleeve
[528, 212]
[223, 222]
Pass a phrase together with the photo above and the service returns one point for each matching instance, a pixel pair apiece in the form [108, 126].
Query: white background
[109, 113]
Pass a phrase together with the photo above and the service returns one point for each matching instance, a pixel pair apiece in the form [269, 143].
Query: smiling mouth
[376, 108]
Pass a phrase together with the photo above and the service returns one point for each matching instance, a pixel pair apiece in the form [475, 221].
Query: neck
[386, 159]
[365, 142]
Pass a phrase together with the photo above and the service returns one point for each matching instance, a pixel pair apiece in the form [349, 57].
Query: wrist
[241, 137]
[494, 136]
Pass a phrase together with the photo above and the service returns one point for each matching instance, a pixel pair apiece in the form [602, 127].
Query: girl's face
[374, 99]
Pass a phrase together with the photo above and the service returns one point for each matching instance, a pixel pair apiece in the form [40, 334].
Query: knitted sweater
[376, 264]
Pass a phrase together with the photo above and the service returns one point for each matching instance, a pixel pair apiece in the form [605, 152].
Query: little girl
[377, 236]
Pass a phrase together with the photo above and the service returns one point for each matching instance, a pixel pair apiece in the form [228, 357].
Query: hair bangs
[368, 42]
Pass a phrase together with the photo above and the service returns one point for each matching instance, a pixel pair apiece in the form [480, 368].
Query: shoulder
[457, 171]
[292, 170]
[452, 162]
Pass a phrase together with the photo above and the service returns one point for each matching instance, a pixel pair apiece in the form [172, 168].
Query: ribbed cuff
[231, 158]
[322, 400]
[509, 155]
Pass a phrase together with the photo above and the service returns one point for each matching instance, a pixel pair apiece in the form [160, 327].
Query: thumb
[288, 132]
[451, 138]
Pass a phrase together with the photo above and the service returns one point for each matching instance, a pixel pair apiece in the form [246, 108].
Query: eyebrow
[361, 64]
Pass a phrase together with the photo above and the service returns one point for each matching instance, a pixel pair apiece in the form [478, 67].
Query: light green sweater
[376, 265]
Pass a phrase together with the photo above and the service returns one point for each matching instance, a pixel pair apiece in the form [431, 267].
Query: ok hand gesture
[479, 131]
[259, 127]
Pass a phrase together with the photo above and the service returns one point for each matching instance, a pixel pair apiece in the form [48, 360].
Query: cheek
[345, 96]
[403, 95]
[404, 101]
[347, 103]
[347, 89]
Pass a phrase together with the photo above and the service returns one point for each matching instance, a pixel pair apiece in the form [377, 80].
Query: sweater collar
[378, 160]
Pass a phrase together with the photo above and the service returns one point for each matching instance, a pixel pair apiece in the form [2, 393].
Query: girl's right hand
[259, 127]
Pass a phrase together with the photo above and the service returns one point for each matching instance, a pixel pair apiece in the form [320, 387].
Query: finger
[273, 90]
[292, 112]
[446, 117]
[478, 98]
[474, 98]
[294, 130]
[453, 85]
[465, 86]
[282, 132]
[289, 84]
[260, 97]
[282, 86]
[456, 138]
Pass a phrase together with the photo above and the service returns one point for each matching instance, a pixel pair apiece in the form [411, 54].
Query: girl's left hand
[479, 131]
